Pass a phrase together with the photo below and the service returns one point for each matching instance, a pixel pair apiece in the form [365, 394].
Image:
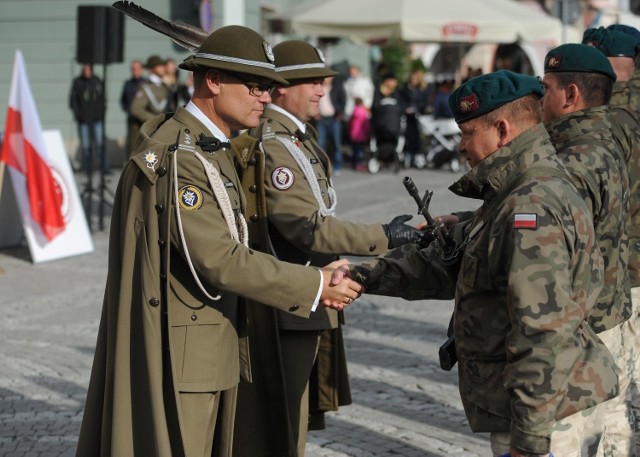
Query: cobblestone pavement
[403, 404]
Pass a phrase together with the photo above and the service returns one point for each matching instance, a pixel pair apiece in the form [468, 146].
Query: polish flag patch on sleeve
[525, 221]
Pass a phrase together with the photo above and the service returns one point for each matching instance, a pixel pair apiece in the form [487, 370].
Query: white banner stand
[76, 238]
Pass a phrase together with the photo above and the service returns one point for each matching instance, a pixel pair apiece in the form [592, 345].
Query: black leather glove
[400, 233]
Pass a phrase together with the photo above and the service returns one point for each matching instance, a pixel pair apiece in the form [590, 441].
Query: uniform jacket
[150, 100]
[596, 163]
[527, 355]
[158, 333]
[282, 210]
[626, 131]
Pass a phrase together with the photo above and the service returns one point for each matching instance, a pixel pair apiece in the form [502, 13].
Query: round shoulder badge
[282, 178]
[190, 197]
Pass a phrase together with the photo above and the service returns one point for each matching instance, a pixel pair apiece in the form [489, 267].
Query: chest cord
[222, 197]
[309, 174]
[159, 106]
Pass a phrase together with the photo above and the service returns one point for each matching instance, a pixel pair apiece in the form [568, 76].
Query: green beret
[154, 61]
[614, 43]
[485, 93]
[578, 58]
[296, 59]
[237, 49]
[593, 36]
[626, 29]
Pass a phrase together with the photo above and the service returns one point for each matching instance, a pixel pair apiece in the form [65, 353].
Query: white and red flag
[24, 150]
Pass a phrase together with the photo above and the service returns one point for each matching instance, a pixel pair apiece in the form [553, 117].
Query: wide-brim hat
[237, 49]
[297, 59]
[154, 61]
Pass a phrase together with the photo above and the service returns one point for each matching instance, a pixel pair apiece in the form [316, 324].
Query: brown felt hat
[296, 59]
[237, 49]
[154, 61]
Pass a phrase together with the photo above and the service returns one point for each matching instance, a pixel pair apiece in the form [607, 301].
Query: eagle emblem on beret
[553, 62]
[468, 104]
[268, 51]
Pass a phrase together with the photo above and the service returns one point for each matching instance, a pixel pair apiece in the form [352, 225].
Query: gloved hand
[400, 233]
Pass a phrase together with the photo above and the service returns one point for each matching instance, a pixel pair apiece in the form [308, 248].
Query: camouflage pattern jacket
[626, 131]
[594, 160]
[526, 282]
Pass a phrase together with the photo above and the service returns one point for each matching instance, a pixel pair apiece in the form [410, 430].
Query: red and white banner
[25, 151]
[43, 200]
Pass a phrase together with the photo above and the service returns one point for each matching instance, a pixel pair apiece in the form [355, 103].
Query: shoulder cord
[307, 170]
[223, 200]
[158, 106]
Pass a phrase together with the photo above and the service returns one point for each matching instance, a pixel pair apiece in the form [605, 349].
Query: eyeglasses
[255, 89]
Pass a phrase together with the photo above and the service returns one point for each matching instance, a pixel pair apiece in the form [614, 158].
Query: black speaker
[100, 35]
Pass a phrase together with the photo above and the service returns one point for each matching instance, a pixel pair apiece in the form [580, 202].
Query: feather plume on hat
[186, 35]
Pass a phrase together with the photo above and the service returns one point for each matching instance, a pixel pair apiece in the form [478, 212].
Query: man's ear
[572, 95]
[503, 127]
[214, 80]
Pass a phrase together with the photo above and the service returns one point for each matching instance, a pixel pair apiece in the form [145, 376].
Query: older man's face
[478, 140]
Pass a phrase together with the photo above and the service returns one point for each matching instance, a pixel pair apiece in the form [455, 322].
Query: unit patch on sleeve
[282, 178]
[190, 197]
[525, 221]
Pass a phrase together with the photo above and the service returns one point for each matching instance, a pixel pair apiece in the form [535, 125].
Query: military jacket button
[252, 161]
[159, 208]
[253, 188]
[294, 308]
[161, 243]
[194, 317]
[173, 147]
[372, 248]
[254, 217]
[187, 131]
[161, 171]
[154, 302]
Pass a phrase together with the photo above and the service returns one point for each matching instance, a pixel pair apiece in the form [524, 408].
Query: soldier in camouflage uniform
[625, 103]
[291, 207]
[526, 279]
[620, 43]
[578, 81]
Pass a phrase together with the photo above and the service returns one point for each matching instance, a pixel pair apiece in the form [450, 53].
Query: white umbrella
[439, 21]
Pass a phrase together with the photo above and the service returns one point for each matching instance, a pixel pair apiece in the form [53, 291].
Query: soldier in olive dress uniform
[171, 345]
[288, 180]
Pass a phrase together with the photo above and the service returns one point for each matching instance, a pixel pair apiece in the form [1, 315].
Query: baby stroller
[443, 138]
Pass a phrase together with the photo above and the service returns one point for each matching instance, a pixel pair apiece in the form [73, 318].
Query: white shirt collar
[155, 79]
[193, 109]
[300, 125]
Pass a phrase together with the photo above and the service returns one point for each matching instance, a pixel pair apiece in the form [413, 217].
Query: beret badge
[468, 104]
[553, 62]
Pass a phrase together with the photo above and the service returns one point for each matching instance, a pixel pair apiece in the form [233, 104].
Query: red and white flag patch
[525, 221]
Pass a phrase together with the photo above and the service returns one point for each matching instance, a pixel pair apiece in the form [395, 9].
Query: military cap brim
[486, 93]
[235, 49]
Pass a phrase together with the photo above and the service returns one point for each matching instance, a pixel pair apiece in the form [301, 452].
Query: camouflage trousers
[619, 437]
[631, 335]
[602, 431]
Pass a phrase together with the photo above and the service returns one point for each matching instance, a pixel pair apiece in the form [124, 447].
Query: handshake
[338, 290]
